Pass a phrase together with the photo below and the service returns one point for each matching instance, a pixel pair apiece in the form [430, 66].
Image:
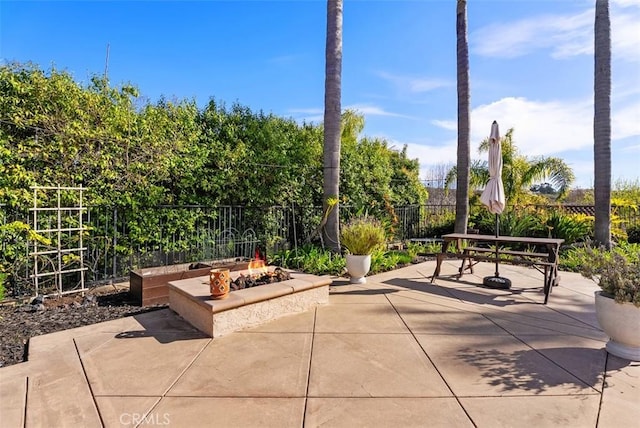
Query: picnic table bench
[540, 253]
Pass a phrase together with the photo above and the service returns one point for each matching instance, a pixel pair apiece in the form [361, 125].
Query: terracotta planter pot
[219, 283]
[620, 322]
[358, 266]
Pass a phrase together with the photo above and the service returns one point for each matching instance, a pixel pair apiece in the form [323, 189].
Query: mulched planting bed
[21, 322]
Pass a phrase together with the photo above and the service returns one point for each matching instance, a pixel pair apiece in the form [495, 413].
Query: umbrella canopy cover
[493, 194]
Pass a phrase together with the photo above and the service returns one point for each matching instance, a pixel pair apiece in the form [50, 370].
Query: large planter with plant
[618, 302]
[361, 236]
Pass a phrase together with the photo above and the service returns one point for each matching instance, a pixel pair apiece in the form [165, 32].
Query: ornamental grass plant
[363, 235]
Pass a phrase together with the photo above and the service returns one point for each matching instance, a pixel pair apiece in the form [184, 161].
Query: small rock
[89, 300]
[38, 300]
[27, 308]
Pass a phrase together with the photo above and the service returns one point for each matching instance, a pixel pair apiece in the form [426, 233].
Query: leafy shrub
[383, 261]
[512, 222]
[414, 249]
[572, 259]
[3, 278]
[362, 235]
[444, 223]
[570, 227]
[310, 259]
[315, 260]
[14, 239]
[617, 271]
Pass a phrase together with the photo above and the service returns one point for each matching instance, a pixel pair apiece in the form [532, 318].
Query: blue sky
[531, 65]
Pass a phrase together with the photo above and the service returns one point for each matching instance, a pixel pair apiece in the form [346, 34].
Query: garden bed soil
[21, 322]
[18, 323]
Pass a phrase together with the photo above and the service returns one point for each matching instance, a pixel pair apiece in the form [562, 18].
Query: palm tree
[602, 124]
[464, 155]
[332, 116]
[518, 171]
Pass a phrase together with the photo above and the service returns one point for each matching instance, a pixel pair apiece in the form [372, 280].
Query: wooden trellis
[58, 215]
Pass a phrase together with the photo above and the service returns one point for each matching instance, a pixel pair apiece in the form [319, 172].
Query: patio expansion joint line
[164, 394]
[188, 366]
[363, 333]
[147, 413]
[432, 363]
[128, 395]
[26, 398]
[313, 339]
[595, 327]
[532, 395]
[86, 378]
[504, 315]
[604, 382]
[540, 353]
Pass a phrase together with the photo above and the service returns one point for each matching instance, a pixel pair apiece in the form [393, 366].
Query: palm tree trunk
[332, 115]
[464, 155]
[602, 124]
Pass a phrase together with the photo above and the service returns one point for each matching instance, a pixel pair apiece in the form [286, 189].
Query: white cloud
[626, 3]
[546, 128]
[583, 170]
[625, 121]
[309, 115]
[552, 128]
[430, 155]
[316, 115]
[540, 128]
[418, 85]
[415, 84]
[565, 35]
[371, 110]
[449, 125]
[625, 36]
[632, 149]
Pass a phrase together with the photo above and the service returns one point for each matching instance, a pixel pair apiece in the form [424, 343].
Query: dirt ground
[18, 323]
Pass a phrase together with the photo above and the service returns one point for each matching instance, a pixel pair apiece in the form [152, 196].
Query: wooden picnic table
[540, 253]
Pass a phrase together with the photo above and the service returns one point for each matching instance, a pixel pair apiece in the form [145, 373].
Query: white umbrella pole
[497, 281]
[497, 234]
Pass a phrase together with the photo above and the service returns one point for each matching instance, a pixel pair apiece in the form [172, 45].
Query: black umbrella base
[496, 282]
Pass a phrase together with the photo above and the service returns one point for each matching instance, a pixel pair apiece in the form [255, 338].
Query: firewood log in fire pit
[248, 281]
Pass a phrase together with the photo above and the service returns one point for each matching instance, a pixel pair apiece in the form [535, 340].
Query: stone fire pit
[249, 307]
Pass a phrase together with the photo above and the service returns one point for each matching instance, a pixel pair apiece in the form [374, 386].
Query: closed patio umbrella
[493, 197]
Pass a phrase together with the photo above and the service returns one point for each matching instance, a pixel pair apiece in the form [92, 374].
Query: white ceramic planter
[358, 267]
[621, 322]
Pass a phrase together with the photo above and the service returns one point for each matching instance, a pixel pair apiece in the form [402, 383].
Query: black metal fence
[122, 239]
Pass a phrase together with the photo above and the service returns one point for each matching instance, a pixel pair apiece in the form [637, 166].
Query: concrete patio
[395, 352]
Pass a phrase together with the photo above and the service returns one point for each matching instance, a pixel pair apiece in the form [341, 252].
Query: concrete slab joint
[250, 307]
